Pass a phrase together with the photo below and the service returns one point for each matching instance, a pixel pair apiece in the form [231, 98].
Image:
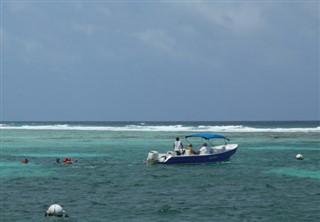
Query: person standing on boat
[178, 146]
[205, 149]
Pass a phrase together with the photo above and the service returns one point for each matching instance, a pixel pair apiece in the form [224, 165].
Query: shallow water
[110, 182]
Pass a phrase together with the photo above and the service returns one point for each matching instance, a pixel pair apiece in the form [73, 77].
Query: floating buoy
[299, 156]
[56, 210]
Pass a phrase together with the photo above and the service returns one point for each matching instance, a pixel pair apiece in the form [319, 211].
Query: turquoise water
[110, 182]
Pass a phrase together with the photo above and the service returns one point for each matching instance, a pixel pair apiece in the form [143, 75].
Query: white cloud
[29, 45]
[240, 18]
[105, 11]
[18, 7]
[158, 39]
[87, 29]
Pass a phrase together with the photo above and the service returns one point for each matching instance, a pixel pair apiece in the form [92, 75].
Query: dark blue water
[262, 182]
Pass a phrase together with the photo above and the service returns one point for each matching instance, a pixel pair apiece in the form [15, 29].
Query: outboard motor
[56, 210]
[153, 157]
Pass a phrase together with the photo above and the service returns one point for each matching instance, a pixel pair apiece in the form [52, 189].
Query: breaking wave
[155, 128]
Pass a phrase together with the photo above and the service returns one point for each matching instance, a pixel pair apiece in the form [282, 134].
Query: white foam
[158, 128]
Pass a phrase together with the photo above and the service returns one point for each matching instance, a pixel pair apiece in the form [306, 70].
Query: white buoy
[299, 156]
[55, 210]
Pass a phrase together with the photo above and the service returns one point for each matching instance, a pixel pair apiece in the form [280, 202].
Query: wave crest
[155, 128]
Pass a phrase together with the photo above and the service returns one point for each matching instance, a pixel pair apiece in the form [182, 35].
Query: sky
[160, 60]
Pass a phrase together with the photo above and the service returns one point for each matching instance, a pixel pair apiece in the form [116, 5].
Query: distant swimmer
[67, 160]
[25, 161]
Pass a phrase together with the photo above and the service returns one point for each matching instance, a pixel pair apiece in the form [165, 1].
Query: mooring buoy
[299, 156]
[56, 210]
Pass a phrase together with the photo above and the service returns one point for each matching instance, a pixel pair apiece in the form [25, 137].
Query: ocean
[111, 181]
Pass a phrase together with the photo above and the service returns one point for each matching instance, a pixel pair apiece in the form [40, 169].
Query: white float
[56, 210]
[299, 156]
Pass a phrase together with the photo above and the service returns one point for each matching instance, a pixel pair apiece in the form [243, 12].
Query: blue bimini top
[208, 136]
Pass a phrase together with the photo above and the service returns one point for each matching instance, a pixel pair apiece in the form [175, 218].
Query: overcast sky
[140, 61]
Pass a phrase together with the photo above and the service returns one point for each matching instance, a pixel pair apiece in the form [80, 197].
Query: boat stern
[153, 157]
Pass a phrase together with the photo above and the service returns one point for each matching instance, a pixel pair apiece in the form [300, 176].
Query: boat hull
[209, 158]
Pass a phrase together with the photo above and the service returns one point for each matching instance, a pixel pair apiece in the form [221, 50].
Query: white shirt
[177, 146]
[205, 149]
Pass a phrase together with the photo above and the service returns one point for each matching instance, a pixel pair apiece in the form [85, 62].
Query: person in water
[177, 145]
[67, 160]
[25, 161]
